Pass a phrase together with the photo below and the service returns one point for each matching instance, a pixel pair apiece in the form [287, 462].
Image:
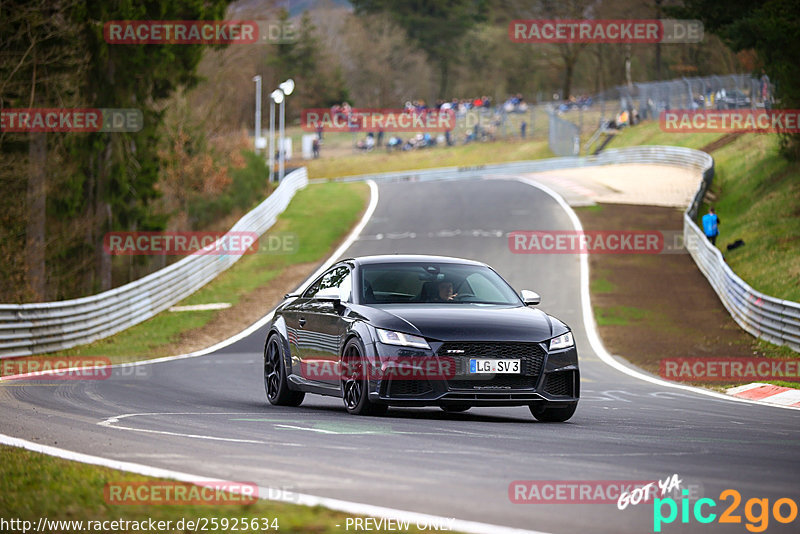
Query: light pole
[286, 88]
[275, 96]
[257, 79]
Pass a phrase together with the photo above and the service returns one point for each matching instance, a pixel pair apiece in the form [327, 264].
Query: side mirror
[529, 298]
[329, 294]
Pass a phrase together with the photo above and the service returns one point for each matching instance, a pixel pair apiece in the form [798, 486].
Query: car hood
[469, 322]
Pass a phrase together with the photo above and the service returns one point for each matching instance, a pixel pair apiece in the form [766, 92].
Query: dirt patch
[662, 305]
[721, 142]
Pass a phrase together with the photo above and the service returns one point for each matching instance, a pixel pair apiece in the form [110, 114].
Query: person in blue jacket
[711, 225]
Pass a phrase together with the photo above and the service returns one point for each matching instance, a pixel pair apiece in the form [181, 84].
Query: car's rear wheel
[546, 413]
[355, 381]
[275, 383]
[455, 408]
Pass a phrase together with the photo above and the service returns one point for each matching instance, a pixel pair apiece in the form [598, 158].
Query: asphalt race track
[209, 416]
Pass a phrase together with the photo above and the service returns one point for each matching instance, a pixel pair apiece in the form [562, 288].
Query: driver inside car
[444, 292]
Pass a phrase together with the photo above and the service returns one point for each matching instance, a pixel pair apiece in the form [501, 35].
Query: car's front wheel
[275, 383]
[547, 413]
[355, 381]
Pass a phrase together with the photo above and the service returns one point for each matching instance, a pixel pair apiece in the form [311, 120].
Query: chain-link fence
[474, 124]
[627, 105]
[733, 91]
[564, 137]
[560, 121]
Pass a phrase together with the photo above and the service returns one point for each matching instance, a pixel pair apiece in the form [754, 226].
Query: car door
[321, 326]
[294, 330]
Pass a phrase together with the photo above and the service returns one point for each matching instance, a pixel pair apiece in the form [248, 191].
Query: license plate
[477, 365]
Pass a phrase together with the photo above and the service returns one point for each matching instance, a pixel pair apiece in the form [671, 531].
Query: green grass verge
[649, 133]
[318, 218]
[758, 201]
[454, 156]
[40, 486]
[345, 162]
[618, 315]
[602, 285]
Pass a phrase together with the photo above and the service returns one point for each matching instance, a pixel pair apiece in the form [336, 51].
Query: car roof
[410, 258]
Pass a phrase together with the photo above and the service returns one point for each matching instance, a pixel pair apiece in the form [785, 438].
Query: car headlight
[404, 340]
[562, 342]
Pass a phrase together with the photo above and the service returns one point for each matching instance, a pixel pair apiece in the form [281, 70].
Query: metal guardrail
[44, 327]
[48, 326]
[769, 318]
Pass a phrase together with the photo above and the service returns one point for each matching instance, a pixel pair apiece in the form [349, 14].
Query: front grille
[531, 356]
[408, 388]
[559, 383]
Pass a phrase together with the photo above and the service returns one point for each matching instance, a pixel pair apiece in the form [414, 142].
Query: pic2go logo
[758, 522]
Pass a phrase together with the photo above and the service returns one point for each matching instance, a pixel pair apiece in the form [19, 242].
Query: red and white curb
[767, 393]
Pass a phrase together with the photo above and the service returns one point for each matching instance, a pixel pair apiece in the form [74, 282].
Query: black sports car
[409, 330]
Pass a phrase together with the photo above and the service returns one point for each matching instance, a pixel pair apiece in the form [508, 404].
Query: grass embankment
[757, 196]
[40, 486]
[756, 193]
[757, 190]
[478, 153]
[318, 218]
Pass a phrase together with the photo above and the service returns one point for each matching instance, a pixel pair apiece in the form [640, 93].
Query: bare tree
[41, 68]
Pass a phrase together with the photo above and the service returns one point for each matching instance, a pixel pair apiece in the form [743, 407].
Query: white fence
[49, 326]
[769, 318]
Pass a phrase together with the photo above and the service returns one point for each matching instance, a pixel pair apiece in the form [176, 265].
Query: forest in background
[189, 168]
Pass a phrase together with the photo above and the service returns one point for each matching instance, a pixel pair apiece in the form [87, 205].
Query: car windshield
[451, 283]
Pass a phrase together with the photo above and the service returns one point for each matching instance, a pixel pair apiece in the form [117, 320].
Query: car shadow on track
[428, 413]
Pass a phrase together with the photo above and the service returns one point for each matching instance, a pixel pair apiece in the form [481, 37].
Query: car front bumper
[401, 376]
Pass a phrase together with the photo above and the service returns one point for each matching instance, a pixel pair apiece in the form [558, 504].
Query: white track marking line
[201, 307]
[591, 327]
[319, 430]
[111, 423]
[270, 493]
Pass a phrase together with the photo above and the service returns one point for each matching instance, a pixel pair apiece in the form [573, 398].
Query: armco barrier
[769, 318]
[49, 326]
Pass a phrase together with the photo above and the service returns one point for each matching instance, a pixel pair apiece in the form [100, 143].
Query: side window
[346, 288]
[333, 278]
[312, 289]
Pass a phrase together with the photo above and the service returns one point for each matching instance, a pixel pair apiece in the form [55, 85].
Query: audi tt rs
[409, 330]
